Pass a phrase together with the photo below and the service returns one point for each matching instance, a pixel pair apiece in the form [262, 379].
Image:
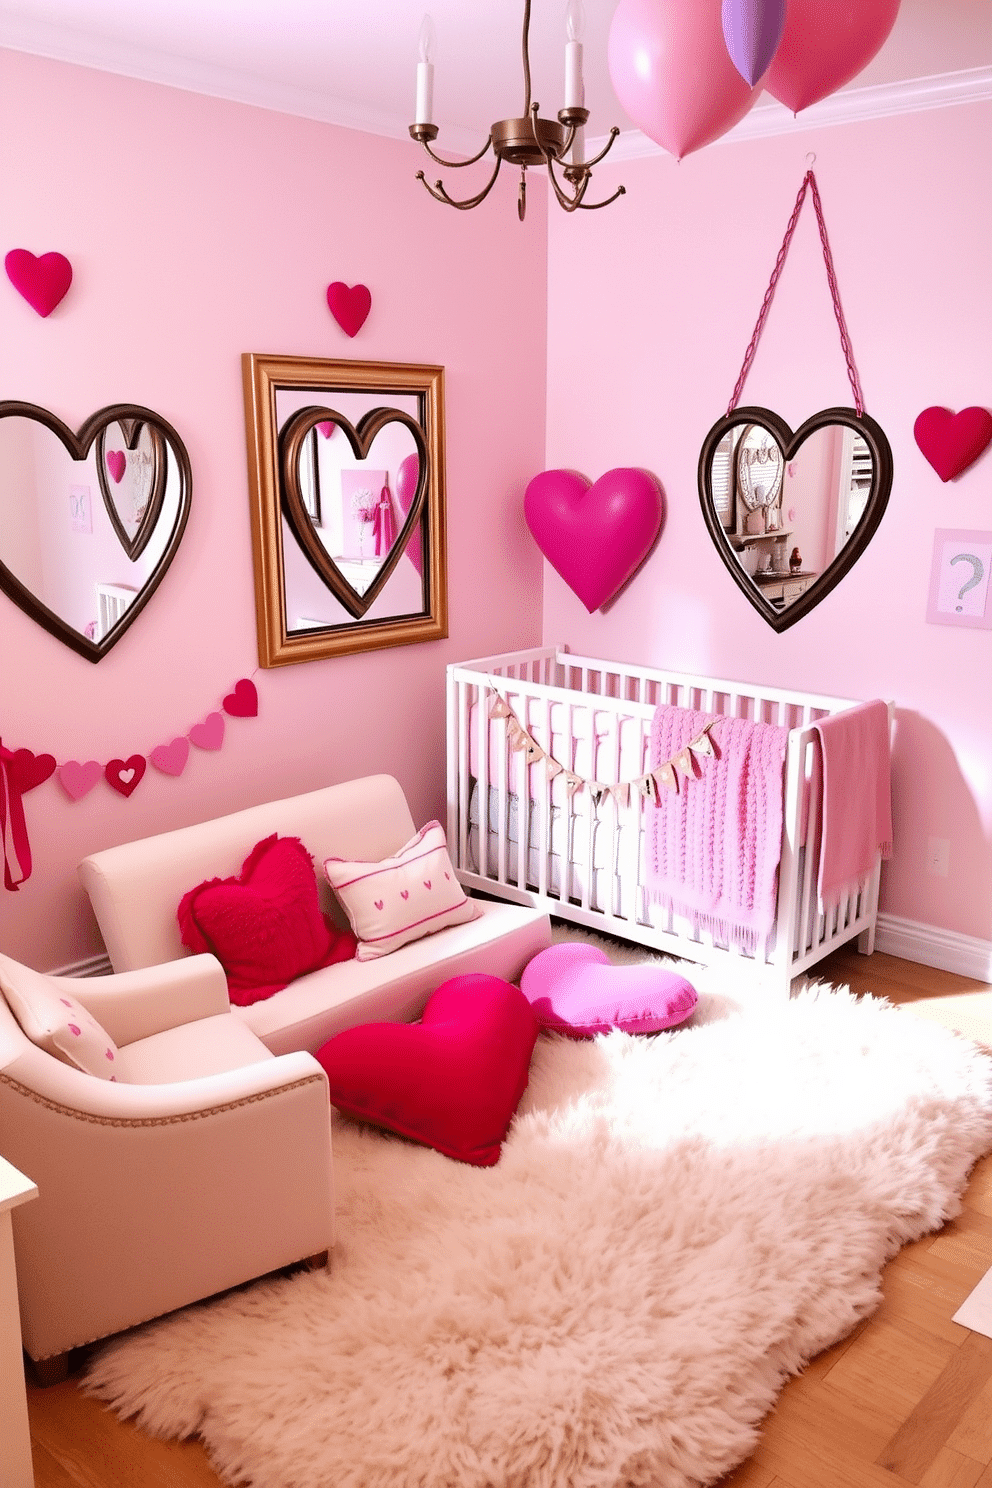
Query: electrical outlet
[938, 856]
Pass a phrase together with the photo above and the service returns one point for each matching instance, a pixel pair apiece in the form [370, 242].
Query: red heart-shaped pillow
[265, 926]
[953, 441]
[452, 1081]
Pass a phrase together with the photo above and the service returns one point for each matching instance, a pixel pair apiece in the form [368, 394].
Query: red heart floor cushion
[452, 1081]
[575, 989]
[265, 927]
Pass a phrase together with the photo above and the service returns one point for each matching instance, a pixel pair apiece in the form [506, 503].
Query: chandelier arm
[438, 192]
[569, 203]
[588, 164]
[457, 164]
[595, 206]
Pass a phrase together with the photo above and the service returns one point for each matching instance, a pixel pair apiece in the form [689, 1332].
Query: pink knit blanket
[856, 824]
[712, 850]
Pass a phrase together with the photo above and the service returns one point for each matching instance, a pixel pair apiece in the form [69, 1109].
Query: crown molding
[849, 106]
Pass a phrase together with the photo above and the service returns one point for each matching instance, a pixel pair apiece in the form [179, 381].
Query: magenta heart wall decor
[349, 306]
[210, 733]
[595, 536]
[43, 282]
[953, 441]
[25, 769]
[116, 464]
[171, 758]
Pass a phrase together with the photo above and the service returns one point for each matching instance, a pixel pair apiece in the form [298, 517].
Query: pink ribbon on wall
[383, 526]
[20, 771]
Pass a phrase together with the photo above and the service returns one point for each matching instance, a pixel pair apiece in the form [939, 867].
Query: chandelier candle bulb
[575, 93]
[425, 73]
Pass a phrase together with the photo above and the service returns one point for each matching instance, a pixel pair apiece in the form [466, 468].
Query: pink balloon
[752, 30]
[406, 488]
[672, 72]
[824, 45]
[595, 536]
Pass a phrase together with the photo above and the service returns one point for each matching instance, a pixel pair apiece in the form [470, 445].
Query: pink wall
[198, 230]
[651, 305]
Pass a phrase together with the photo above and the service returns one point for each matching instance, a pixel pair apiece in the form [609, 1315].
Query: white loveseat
[135, 891]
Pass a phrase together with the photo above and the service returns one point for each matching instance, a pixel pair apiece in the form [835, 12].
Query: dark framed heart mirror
[791, 512]
[89, 520]
[346, 476]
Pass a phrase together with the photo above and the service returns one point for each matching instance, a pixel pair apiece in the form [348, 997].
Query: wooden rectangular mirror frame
[264, 377]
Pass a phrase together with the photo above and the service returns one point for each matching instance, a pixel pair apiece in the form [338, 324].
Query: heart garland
[647, 786]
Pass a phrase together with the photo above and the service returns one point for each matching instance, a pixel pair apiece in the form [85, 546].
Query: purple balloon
[752, 30]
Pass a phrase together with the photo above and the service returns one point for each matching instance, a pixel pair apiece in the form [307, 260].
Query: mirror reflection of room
[787, 522]
[357, 509]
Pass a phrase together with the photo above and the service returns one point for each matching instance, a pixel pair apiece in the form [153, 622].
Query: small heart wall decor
[953, 441]
[171, 758]
[125, 775]
[210, 733]
[350, 305]
[116, 464]
[77, 780]
[43, 282]
[25, 769]
[595, 535]
[243, 701]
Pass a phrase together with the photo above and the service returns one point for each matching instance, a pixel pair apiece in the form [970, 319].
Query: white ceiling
[353, 62]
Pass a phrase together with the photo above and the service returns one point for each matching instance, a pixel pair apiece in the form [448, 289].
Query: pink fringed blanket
[857, 804]
[712, 850]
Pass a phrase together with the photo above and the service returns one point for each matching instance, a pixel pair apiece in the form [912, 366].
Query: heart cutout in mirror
[790, 513]
[64, 559]
[133, 453]
[387, 538]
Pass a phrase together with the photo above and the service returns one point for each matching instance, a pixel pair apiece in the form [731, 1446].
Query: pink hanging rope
[809, 181]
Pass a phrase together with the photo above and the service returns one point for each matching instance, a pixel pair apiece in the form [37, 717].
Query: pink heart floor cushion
[452, 1081]
[575, 989]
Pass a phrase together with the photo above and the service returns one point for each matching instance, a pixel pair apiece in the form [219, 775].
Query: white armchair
[203, 1162]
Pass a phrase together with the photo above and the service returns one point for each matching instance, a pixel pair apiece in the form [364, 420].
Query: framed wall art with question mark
[960, 588]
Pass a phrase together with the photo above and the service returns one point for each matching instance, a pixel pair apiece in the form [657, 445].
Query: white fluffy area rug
[676, 1224]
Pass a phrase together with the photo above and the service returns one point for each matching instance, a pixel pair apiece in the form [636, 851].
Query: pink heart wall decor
[43, 282]
[243, 701]
[953, 441]
[595, 536]
[349, 306]
[125, 775]
[171, 758]
[78, 780]
[116, 464]
[210, 733]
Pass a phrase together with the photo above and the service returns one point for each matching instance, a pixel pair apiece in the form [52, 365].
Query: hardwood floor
[906, 1399]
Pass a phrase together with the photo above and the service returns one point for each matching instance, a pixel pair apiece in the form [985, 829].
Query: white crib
[516, 833]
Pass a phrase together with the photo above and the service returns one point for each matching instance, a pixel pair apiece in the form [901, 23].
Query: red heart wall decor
[595, 536]
[243, 701]
[125, 775]
[116, 464]
[25, 769]
[43, 282]
[953, 441]
[349, 306]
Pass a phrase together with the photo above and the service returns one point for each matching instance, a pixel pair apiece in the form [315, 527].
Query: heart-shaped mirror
[81, 566]
[354, 515]
[789, 513]
[131, 466]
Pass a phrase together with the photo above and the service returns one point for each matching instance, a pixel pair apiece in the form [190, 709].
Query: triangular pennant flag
[647, 786]
[703, 744]
[500, 708]
[665, 776]
[532, 750]
[597, 791]
[553, 767]
[516, 734]
[684, 761]
[621, 793]
[573, 783]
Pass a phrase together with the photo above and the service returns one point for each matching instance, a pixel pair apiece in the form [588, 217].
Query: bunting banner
[643, 787]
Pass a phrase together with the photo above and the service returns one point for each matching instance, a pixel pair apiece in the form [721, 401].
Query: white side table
[17, 1471]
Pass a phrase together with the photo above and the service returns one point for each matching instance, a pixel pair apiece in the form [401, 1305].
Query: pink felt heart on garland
[78, 780]
[116, 464]
[595, 536]
[349, 306]
[953, 441]
[43, 282]
[171, 758]
[243, 701]
[125, 775]
[452, 1081]
[210, 733]
[575, 989]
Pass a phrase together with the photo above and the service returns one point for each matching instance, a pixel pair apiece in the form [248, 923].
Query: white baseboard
[965, 955]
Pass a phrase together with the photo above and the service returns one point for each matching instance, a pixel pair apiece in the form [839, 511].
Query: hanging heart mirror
[790, 513]
[89, 521]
